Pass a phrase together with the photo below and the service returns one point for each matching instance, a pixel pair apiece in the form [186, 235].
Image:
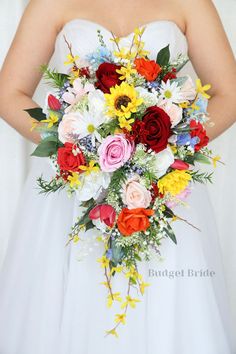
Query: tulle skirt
[52, 300]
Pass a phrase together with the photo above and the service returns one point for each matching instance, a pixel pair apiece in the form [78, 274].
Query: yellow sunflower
[122, 100]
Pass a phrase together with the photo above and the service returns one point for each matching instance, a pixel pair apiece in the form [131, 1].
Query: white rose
[164, 159]
[174, 112]
[188, 91]
[92, 185]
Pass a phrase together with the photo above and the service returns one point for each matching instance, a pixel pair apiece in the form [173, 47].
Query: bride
[49, 302]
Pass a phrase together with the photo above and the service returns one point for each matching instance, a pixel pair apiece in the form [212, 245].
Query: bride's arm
[213, 60]
[32, 46]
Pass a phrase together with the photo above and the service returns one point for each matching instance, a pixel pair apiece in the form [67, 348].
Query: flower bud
[53, 103]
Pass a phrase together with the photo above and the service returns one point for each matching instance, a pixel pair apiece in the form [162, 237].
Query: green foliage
[168, 212]
[170, 233]
[117, 252]
[49, 187]
[197, 157]
[47, 147]
[181, 65]
[163, 56]
[57, 79]
[203, 177]
[189, 159]
[180, 80]
[150, 176]
[202, 158]
[36, 113]
[117, 180]
[108, 128]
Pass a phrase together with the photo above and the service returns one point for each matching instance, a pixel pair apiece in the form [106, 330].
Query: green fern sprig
[49, 187]
[56, 79]
[203, 177]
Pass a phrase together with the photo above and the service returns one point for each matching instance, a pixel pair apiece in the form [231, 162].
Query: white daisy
[170, 93]
[90, 120]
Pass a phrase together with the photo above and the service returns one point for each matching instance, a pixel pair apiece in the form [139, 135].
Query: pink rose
[114, 152]
[135, 195]
[68, 126]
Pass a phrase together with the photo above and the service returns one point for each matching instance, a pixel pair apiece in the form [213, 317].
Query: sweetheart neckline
[148, 24]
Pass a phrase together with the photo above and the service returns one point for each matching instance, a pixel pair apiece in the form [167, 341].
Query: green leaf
[170, 233]
[89, 225]
[163, 56]
[201, 158]
[168, 212]
[137, 257]
[117, 252]
[180, 80]
[180, 66]
[47, 147]
[189, 159]
[36, 113]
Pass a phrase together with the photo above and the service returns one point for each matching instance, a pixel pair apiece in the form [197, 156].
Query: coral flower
[147, 68]
[133, 220]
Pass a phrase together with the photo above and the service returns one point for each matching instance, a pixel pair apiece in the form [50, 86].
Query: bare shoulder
[199, 9]
[33, 45]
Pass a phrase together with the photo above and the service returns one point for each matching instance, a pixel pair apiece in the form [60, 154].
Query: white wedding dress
[51, 303]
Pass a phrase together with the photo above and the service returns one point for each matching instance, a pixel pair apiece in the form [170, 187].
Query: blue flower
[109, 254]
[100, 55]
[202, 103]
[185, 139]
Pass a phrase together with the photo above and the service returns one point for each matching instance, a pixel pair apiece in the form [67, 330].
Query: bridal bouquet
[123, 133]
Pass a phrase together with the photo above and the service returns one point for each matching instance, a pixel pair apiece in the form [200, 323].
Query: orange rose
[133, 220]
[147, 68]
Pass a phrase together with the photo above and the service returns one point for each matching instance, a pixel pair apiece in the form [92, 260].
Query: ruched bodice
[82, 34]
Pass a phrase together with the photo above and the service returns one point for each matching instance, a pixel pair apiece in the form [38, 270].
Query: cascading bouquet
[123, 133]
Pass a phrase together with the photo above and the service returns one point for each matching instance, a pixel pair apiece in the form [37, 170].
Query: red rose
[198, 130]
[154, 129]
[107, 76]
[68, 160]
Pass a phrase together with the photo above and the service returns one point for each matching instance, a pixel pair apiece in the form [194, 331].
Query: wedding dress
[51, 299]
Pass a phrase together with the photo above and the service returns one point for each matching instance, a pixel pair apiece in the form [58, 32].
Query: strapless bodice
[82, 34]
